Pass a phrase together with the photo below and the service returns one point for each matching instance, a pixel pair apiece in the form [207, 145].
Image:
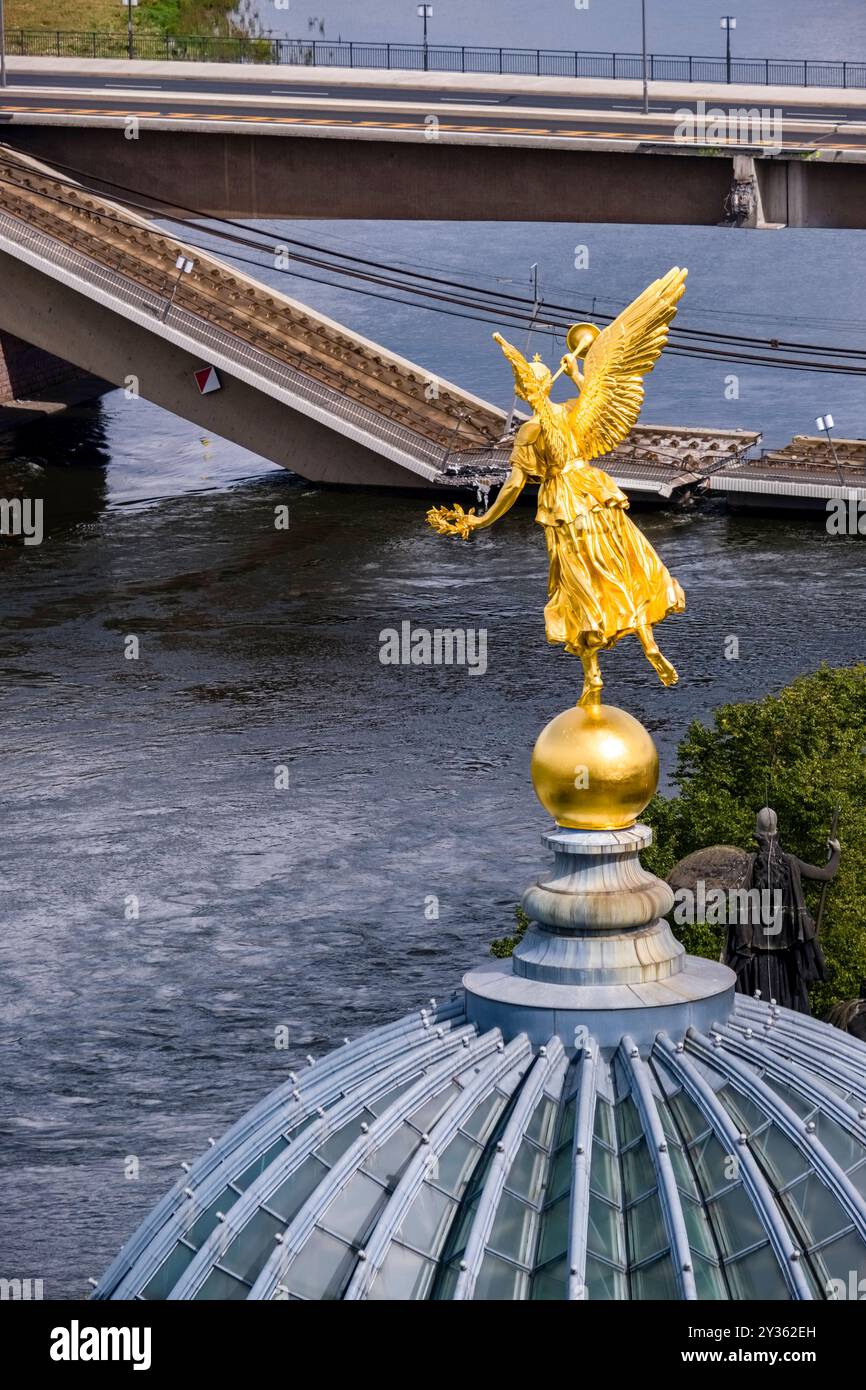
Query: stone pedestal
[598, 952]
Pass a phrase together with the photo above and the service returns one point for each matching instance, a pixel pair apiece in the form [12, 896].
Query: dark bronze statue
[850, 1015]
[777, 953]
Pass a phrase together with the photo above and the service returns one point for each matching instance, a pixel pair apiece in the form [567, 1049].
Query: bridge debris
[804, 475]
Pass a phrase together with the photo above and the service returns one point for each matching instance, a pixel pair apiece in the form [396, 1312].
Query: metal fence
[445, 58]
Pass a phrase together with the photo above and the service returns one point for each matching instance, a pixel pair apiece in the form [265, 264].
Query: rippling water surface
[154, 778]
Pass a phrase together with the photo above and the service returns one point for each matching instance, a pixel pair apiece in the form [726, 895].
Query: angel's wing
[529, 388]
[526, 382]
[621, 355]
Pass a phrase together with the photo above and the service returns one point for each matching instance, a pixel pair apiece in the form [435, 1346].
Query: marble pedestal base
[598, 953]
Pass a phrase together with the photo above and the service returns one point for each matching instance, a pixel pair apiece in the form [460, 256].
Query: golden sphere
[594, 767]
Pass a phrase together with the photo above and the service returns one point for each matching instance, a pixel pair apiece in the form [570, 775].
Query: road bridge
[237, 145]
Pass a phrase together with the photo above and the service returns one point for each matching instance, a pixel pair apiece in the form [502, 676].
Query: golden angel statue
[605, 578]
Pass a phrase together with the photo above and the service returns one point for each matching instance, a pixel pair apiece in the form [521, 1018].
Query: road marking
[458, 100]
[134, 87]
[344, 121]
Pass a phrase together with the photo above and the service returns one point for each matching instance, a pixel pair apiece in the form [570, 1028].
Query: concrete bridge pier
[35, 383]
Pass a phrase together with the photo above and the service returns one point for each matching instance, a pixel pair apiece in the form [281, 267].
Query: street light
[536, 305]
[643, 50]
[425, 12]
[825, 424]
[129, 44]
[727, 22]
[183, 266]
[2, 47]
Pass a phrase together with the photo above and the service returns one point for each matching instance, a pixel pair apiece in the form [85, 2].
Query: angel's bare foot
[665, 670]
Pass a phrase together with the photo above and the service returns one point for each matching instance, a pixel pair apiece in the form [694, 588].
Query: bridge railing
[444, 58]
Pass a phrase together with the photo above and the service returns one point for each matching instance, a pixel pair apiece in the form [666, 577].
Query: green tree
[804, 750]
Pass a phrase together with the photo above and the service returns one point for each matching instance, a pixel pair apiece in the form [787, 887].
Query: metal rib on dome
[430, 1160]
[541, 1087]
[667, 1184]
[743, 1164]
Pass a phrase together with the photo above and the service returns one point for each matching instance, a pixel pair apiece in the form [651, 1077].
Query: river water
[765, 28]
[135, 1037]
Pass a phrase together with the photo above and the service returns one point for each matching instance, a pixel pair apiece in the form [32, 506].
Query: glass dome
[432, 1159]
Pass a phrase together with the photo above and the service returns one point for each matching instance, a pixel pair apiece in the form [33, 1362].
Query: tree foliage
[804, 752]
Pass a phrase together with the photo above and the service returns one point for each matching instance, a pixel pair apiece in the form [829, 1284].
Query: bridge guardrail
[209, 335]
[444, 58]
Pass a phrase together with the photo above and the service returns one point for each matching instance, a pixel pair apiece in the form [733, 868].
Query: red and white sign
[206, 380]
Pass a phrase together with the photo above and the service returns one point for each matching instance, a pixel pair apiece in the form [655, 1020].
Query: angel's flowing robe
[605, 578]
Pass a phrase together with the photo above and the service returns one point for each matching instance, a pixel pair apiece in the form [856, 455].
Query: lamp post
[643, 51]
[183, 265]
[425, 12]
[129, 40]
[825, 424]
[2, 47]
[536, 305]
[727, 22]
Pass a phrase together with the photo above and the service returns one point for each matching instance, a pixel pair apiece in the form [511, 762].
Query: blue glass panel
[689, 1117]
[222, 1287]
[817, 1209]
[843, 1260]
[162, 1283]
[353, 1212]
[845, 1148]
[294, 1190]
[527, 1172]
[206, 1221]
[748, 1116]
[248, 1252]
[551, 1283]
[780, 1158]
[756, 1277]
[604, 1284]
[389, 1160]
[513, 1231]
[638, 1174]
[655, 1281]
[321, 1269]
[646, 1230]
[604, 1175]
[500, 1281]
[554, 1232]
[455, 1166]
[540, 1127]
[560, 1174]
[403, 1276]
[698, 1228]
[258, 1166]
[736, 1222]
[714, 1167]
[628, 1122]
[709, 1280]
[426, 1223]
[604, 1233]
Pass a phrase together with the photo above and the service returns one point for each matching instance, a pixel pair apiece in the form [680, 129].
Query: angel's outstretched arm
[508, 495]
